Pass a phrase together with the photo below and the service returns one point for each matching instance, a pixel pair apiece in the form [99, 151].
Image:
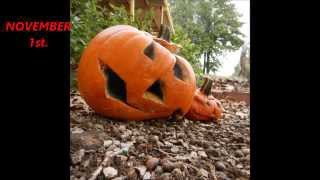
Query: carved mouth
[155, 92]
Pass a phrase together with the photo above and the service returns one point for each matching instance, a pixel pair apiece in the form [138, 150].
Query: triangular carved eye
[154, 92]
[177, 71]
[149, 51]
[115, 86]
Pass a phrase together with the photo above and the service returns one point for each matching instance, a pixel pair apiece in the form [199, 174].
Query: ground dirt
[103, 148]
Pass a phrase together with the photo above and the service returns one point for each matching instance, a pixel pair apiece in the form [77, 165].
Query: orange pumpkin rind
[204, 106]
[125, 74]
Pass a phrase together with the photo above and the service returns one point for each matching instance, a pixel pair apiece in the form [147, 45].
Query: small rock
[203, 173]
[246, 151]
[236, 171]
[109, 153]
[239, 139]
[177, 174]
[107, 143]
[222, 176]
[168, 144]
[129, 132]
[184, 144]
[116, 142]
[231, 161]
[99, 126]
[152, 163]
[173, 141]
[85, 140]
[215, 144]
[225, 140]
[202, 154]
[165, 176]
[154, 139]
[241, 115]
[241, 178]
[213, 152]
[86, 163]
[159, 144]
[141, 169]
[194, 141]
[247, 158]
[174, 149]
[238, 153]
[122, 128]
[141, 155]
[77, 157]
[126, 145]
[76, 130]
[116, 149]
[130, 163]
[220, 166]
[245, 172]
[110, 172]
[167, 165]
[82, 178]
[193, 147]
[158, 170]
[124, 137]
[230, 88]
[120, 159]
[180, 135]
[193, 155]
[147, 176]
[223, 152]
[111, 147]
[239, 166]
[140, 139]
[133, 174]
[120, 178]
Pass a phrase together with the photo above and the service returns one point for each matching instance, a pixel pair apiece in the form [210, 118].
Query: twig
[193, 167]
[163, 152]
[96, 173]
[104, 163]
[238, 144]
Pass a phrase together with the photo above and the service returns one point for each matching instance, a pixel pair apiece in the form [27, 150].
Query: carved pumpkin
[204, 106]
[128, 74]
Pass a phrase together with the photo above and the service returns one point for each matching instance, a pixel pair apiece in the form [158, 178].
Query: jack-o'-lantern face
[125, 74]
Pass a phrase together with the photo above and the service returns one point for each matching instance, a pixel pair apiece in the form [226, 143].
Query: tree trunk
[204, 62]
[208, 60]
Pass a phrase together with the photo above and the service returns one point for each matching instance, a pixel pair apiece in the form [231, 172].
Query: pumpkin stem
[164, 33]
[206, 86]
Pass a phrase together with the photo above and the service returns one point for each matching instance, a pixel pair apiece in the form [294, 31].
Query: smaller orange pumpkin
[204, 106]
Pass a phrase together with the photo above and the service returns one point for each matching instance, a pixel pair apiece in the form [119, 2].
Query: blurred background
[214, 34]
[230, 64]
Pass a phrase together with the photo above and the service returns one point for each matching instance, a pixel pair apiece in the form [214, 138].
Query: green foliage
[204, 28]
[212, 25]
[189, 50]
[89, 18]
